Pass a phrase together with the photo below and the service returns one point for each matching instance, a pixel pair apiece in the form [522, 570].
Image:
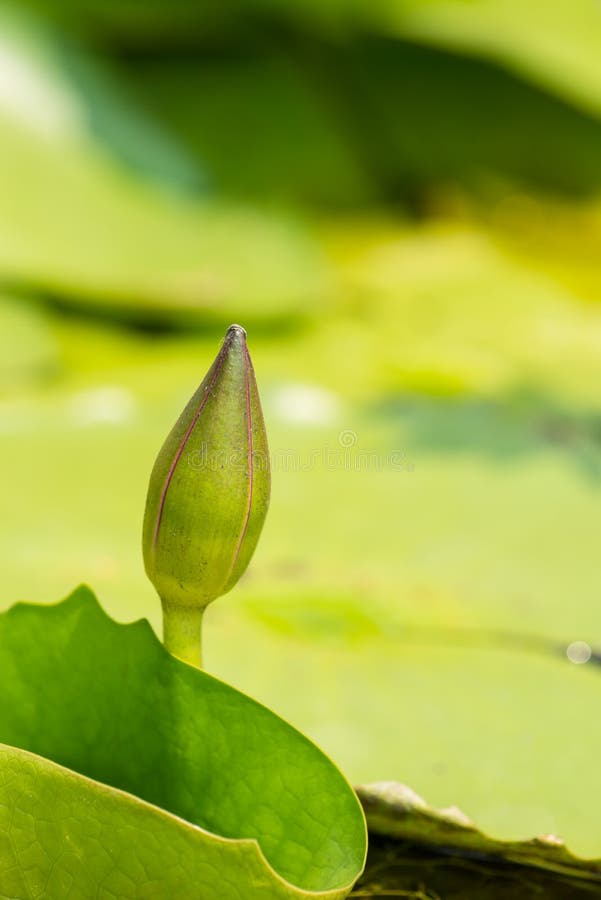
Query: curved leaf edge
[187, 829]
[142, 624]
[395, 810]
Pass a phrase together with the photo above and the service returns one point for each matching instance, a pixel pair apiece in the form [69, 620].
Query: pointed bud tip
[236, 331]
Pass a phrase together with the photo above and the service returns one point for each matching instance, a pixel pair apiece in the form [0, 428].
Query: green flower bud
[208, 496]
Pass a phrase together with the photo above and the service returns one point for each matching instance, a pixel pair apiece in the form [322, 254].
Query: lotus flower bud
[208, 496]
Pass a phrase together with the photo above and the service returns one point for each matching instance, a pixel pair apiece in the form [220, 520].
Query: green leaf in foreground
[153, 779]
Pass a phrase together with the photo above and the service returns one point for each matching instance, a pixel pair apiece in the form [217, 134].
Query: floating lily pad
[399, 868]
[83, 232]
[296, 147]
[507, 733]
[88, 231]
[394, 810]
[423, 853]
[132, 774]
[555, 44]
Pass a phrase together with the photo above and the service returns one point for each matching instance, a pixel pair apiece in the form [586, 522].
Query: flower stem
[182, 632]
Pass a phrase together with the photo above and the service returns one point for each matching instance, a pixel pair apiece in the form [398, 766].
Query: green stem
[182, 632]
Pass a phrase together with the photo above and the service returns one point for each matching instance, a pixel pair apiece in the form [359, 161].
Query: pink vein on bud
[218, 366]
[247, 368]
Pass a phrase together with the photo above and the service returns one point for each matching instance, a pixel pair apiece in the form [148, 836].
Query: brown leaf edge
[396, 811]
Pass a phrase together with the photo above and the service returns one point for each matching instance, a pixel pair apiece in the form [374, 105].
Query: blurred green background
[400, 201]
